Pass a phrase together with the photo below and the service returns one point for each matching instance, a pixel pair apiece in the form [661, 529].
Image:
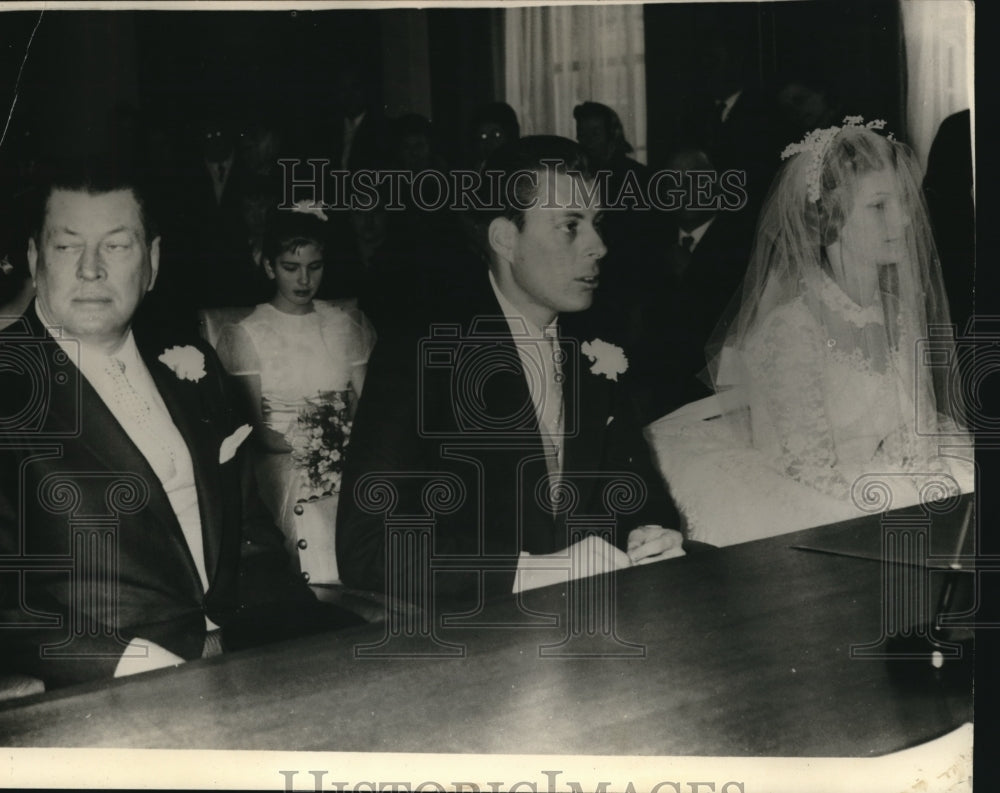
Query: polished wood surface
[744, 651]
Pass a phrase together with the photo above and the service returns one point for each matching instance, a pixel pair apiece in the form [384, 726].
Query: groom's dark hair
[94, 176]
[502, 191]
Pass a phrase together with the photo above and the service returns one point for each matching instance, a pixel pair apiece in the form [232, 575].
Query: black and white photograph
[493, 397]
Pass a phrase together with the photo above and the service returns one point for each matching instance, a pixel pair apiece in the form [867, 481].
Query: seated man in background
[496, 423]
[122, 466]
[692, 275]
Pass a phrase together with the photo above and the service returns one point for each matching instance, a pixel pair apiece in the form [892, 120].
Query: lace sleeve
[787, 357]
[237, 351]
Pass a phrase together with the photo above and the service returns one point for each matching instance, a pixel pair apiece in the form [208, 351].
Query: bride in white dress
[833, 382]
[301, 362]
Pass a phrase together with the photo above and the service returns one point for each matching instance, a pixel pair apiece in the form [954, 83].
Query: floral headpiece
[310, 208]
[817, 143]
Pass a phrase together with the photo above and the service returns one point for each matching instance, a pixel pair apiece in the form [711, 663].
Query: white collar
[728, 102]
[696, 233]
[353, 123]
[515, 318]
[840, 303]
[213, 165]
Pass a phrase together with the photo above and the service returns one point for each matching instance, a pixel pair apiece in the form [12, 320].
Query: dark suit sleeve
[628, 450]
[387, 445]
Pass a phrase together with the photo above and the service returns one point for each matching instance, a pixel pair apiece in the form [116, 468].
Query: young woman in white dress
[835, 377]
[293, 356]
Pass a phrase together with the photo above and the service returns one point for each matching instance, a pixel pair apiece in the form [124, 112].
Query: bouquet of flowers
[318, 439]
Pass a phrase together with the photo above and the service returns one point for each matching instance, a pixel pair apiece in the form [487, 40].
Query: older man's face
[92, 264]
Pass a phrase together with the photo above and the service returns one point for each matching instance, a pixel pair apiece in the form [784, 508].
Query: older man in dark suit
[496, 425]
[131, 536]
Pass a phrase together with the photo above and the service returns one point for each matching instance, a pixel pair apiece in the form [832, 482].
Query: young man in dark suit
[131, 535]
[502, 444]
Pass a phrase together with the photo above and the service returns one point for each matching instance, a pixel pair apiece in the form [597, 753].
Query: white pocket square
[229, 446]
[610, 419]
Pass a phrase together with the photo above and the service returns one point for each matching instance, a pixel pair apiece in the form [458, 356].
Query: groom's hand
[654, 543]
[589, 556]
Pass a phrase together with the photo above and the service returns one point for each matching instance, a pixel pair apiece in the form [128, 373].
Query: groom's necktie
[143, 422]
[552, 405]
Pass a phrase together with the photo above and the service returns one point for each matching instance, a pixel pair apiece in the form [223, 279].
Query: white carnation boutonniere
[187, 362]
[606, 359]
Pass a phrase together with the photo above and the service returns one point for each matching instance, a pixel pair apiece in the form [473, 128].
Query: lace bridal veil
[835, 375]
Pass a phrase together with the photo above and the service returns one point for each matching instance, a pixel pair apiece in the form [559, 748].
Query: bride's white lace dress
[302, 361]
[828, 433]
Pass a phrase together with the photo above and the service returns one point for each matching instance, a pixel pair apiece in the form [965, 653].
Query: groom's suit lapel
[508, 393]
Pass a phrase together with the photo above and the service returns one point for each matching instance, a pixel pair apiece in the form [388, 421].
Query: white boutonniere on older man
[606, 359]
[187, 362]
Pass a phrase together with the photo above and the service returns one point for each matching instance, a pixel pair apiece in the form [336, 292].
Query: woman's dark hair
[288, 230]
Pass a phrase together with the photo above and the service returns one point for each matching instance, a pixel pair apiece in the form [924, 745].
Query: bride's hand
[653, 543]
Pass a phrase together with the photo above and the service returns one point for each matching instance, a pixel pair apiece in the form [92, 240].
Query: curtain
[938, 37]
[557, 57]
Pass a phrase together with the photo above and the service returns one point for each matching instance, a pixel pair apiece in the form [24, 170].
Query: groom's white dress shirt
[539, 351]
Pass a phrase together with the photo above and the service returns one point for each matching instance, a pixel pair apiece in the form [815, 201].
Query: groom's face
[555, 256]
[92, 263]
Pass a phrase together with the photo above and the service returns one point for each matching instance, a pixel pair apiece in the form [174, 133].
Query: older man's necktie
[143, 422]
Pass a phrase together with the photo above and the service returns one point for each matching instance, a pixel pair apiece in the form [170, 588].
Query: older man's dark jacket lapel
[104, 438]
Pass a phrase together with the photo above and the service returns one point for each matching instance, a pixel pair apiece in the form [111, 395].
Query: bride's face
[873, 234]
[297, 275]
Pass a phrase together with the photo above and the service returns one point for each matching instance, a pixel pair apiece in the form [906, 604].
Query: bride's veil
[901, 326]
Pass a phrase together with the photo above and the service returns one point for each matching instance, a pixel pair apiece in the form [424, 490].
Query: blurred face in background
[216, 142]
[592, 133]
[415, 153]
[804, 108]
[490, 136]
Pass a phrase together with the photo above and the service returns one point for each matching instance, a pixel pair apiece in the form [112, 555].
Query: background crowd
[667, 279]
